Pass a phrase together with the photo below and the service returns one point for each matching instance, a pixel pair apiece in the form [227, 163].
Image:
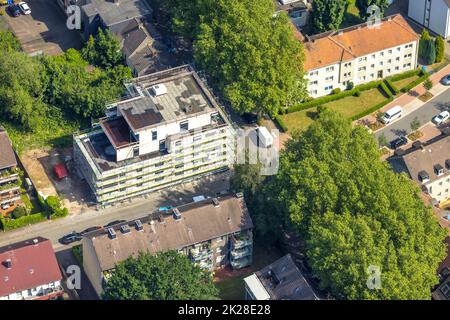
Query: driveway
[425, 113]
[44, 30]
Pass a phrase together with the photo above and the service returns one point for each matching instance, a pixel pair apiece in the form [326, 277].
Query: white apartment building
[429, 166]
[359, 54]
[169, 130]
[432, 14]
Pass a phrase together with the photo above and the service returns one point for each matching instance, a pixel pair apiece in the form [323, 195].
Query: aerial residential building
[359, 54]
[9, 175]
[29, 271]
[213, 233]
[432, 14]
[281, 280]
[169, 130]
[297, 10]
[442, 290]
[429, 166]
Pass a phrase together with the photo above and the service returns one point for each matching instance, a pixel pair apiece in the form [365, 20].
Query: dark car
[250, 118]
[91, 229]
[14, 10]
[401, 141]
[71, 237]
[114, 223]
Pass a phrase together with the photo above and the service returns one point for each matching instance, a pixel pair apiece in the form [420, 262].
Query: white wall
[32, 292]
[439, 15]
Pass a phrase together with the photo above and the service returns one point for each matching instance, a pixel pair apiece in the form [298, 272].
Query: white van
[392, 114]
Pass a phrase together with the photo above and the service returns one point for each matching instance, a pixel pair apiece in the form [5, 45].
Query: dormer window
[438, 169]
[423, 176]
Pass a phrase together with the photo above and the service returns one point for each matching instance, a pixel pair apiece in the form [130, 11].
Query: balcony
[241, 263]
[238, 254]
[200, 254]
[8, 177]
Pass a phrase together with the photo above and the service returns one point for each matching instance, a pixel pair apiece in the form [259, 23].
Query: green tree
[415, 124]
[165, 276]
[328, 14]
[440, 49]
[364, 5]
[252, 55]
[353, 212]
[8, 42]
[428, 84]
[382, 140]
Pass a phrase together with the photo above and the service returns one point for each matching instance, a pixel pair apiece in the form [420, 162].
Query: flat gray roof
[112, 13]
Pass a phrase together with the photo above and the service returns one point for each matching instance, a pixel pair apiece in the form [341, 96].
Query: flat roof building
[281, 280]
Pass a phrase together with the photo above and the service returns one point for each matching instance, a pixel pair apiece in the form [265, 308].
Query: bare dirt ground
[39, 165]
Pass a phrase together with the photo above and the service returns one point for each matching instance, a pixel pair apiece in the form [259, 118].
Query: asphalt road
[425, 113]
[54, 230]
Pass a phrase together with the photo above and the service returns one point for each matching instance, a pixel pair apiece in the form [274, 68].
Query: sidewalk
[409, 101]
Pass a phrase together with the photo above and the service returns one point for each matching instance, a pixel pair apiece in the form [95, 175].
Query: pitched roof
[357, 41]
[7, 156]
[425, 158]
[282, 280]
[133, 40]
[33, 263]
[200, 221]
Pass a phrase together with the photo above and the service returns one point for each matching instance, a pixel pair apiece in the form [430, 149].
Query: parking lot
[44, 30]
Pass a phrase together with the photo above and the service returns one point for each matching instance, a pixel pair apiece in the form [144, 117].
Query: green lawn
[348, 106]
[404, 82]
[233, 287]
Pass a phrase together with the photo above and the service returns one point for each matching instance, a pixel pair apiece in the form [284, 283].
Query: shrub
[428, 84]
[357, 93]
[350, 85]
[371, 110]
[416, 82]
[280, 123]
[392, 87]
[19, 212]
[336, 90]
[385, 89]
[405, 75]
[10, 224]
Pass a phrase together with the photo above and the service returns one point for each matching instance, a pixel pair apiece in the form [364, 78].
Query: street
[176, 195]
[402, 127]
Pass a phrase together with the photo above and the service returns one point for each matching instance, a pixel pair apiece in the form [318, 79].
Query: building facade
[9, 173]
[432, 14]
[359, 54]
[169, 130]
[297, 10]
[213, 233]
[429, 166]
[29, 271]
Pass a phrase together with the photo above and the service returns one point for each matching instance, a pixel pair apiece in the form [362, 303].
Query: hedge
[386, 90]
[415, 82]
[371, 110]
[280, 123]
[392, 87]
[334, 97]
[405, 75]
[10, 224]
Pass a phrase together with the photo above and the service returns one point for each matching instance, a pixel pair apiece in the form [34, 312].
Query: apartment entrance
[380, 74]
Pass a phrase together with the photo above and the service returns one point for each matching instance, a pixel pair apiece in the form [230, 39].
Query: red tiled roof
[33, 264]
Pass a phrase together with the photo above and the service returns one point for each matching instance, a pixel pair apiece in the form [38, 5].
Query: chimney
[216, 202]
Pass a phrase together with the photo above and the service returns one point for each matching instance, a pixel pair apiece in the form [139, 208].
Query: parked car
[90, 230]
[446, 80]
[114, 223]
[166, 208]
[441, 117]
[71, 237]
[24, 7]
[14, 10]
[401, 141]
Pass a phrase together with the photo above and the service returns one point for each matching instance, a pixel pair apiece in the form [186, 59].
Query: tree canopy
[165, 276]
[328, 14]
[103, 50]
[252, 55]
[352, 212]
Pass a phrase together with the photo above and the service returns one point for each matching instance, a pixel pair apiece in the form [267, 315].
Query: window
[329, 88]
[330, 69]
[197, 138]
[397, 59]
[362, 69]
[314, 73]
[312, 92]
[390, 51]
[373, 56]
[382, 54]
[154, 135]
[178, 143]
[381, 63]
[362, 59]
[372, 66]
[184, 126]
[329, 78]
[312, 83]
[159, 179]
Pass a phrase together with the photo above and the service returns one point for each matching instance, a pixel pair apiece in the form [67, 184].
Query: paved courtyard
[44, 30]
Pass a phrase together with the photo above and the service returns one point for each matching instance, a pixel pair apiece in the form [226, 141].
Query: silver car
[446, 80]
[441, 117]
